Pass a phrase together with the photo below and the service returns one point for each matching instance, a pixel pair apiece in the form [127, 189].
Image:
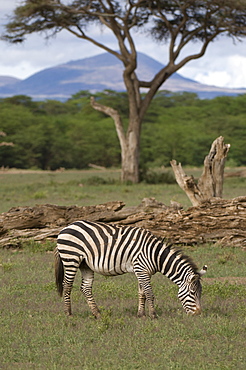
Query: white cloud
[237, 68]
[231, 73]
[216, 78]
[223, 71]
[224, 65]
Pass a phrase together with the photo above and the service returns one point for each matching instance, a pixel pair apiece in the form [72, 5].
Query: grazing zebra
[114, 250]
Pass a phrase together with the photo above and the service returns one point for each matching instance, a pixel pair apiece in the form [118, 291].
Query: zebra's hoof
[141, 315]
[154, 316]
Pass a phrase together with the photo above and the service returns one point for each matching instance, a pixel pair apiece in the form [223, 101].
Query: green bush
[152, 176]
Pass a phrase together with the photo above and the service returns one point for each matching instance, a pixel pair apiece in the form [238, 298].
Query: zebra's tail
[59, 272]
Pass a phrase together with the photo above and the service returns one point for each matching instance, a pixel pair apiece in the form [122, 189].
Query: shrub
[157, 177]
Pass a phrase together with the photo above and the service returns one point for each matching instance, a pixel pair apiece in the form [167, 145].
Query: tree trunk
[130, 159]
[129, 142]
[210, 184]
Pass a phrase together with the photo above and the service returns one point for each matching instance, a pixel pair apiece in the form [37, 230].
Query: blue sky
[223, 65]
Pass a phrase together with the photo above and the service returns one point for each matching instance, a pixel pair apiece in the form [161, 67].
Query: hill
[8, 80]
[97, 73]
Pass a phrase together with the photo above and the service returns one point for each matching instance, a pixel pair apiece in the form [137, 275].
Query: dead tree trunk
[210, 184]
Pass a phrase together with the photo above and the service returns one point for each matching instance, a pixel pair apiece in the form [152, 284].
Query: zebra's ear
[203, 270]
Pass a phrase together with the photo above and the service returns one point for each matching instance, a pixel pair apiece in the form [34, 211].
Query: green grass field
[35, 334]
[27, 188]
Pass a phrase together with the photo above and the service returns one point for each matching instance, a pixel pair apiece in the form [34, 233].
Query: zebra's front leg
[150, 300]
[145, 293]
[86, 288]
[141, 302]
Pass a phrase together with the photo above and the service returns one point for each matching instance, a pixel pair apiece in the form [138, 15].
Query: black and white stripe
[115, 250]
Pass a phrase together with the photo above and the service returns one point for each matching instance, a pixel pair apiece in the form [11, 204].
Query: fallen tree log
[45, 221]
[216, 220]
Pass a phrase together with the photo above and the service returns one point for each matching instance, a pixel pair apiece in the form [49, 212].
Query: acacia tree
[174, 22]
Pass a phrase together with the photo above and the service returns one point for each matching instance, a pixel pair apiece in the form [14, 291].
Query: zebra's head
[190, 292]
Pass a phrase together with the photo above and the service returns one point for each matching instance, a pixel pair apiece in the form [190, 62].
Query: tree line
[176, 23]
[52, 134]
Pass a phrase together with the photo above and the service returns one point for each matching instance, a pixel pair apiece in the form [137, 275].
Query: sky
[223, 65]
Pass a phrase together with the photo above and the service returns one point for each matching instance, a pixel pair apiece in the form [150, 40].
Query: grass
[82, 188]
[35, 334]
[77, 187]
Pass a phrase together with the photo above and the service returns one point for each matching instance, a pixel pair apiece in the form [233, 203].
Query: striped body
[114, 250]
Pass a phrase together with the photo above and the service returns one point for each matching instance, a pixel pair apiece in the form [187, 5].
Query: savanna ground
[35, 334]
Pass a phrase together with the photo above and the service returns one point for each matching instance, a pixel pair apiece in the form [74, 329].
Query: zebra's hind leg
[86, 288]
[67, 288]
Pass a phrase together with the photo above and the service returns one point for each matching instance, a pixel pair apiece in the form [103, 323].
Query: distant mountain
[97, 73]
[8, 80]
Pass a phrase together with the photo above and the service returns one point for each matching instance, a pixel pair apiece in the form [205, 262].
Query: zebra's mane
[191, 262]
[184, 257]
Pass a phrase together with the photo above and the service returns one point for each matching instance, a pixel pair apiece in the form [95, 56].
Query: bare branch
[186, 183]
[197, 55]
[83, 36]
[115, 116]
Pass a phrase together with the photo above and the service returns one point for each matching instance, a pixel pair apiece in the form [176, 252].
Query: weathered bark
[130, 159]
[44, 221]
[217, 220]
[51, 215]
[210, 184]
[187, 183]
[211, 181]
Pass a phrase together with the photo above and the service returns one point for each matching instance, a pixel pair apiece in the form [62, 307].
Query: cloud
[232, 74]
[224, 65]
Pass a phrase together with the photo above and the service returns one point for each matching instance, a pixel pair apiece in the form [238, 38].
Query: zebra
[112, 250]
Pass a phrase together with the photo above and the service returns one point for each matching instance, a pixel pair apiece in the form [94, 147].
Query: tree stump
[210, 184]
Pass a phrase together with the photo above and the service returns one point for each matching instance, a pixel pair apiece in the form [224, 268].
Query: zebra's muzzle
[196, 311]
